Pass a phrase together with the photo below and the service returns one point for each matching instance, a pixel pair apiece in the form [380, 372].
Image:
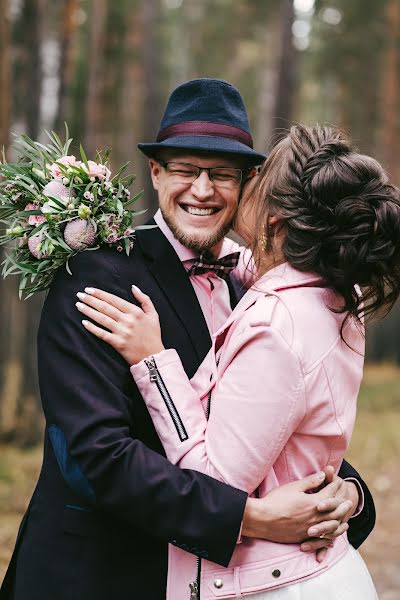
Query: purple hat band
[201, 128]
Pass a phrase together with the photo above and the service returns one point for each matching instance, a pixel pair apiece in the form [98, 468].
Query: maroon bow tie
[206, 263]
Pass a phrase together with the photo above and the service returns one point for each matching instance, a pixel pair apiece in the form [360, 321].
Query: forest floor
[375, 451]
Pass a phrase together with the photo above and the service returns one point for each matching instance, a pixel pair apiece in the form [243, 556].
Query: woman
[275, 398]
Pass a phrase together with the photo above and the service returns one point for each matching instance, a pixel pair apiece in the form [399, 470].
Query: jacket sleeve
[87, 396]
[253, 413]
[361, 525]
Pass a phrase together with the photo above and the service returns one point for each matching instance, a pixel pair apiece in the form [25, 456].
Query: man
[107, 501]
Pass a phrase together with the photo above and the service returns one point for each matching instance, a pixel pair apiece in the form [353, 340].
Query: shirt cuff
[360, 505]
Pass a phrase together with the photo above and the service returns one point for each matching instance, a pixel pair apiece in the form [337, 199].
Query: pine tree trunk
[93, 109]
[152, 77]
[285, 85]
[32, 38]
[20, 419]
[4, 75]
[67, 61]
[4, 138]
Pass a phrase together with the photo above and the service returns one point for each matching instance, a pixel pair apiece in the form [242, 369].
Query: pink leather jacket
[274, 401]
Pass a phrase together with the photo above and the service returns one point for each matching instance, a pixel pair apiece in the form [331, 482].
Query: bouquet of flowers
[54, 205]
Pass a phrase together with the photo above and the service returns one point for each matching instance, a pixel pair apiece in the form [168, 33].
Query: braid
[340, 215]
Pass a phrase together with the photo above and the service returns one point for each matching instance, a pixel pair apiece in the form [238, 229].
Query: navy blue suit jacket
[107, 501]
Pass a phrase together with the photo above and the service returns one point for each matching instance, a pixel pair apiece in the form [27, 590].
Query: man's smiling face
[199, 213]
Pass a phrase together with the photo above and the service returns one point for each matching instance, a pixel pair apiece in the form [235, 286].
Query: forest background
[107, 67]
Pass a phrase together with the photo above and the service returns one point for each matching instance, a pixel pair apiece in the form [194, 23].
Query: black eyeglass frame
[242, 172]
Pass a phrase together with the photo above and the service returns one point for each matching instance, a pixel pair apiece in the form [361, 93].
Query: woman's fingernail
[135, 287]
[81, 295]
[313, 532]
[89, 290]
[305, 547]
[79, 305]
[321, 475]
[85, 323]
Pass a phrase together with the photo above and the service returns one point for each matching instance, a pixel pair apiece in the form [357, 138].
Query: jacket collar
[279, 278]
[173, 280]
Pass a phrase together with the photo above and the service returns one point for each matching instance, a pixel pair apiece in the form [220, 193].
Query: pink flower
[34, 244]
[97, 170]
[67, 161]
[80, 234]
[35, 219]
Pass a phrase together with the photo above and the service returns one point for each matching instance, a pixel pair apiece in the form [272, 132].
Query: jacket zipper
[155, 376]
[195, 585]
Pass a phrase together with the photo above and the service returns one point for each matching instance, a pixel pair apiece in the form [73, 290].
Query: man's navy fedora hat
[206, 115]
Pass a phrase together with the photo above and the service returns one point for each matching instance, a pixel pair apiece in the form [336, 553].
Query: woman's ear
[273, 220]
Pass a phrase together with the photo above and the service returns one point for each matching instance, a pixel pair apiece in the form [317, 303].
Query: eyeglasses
[221, 177]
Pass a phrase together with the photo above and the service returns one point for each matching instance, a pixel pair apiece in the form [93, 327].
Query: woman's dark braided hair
[340, 215]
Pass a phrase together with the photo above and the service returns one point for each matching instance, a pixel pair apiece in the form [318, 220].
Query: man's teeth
[192, 210]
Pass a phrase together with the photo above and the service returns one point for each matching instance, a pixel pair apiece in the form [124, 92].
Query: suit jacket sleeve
[87, 396]
[360, 526]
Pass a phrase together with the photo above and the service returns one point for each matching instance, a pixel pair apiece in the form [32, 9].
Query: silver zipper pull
[194, 590]
[151, 365]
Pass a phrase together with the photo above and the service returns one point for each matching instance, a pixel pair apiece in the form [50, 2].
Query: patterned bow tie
[206, 263]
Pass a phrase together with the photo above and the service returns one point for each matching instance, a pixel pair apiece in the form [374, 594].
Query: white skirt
[348, 579]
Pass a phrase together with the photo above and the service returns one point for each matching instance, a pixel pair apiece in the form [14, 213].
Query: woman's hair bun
[341, 216]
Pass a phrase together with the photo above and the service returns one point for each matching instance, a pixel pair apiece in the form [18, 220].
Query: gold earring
[265, 240]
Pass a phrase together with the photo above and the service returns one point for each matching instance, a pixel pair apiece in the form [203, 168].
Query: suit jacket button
[276, 573]
[218, 583]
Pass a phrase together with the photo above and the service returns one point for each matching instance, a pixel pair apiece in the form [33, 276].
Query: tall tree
[69, 25]
[390, 103]
[285, 86]
[5, 82]
[4, 74]
[152, 50]
[19, 418]
[95, 90]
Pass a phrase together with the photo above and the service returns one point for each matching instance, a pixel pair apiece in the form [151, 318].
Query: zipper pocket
[195, 585]
[155, 376]
[194, 591]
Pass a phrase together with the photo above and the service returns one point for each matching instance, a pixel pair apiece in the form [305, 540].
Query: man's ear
[155, 170]
[252, 172]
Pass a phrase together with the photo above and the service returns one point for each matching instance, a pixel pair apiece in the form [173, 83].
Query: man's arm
[361, 525]
[87, 398]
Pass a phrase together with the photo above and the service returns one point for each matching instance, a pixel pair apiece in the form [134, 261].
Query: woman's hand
[132, 330]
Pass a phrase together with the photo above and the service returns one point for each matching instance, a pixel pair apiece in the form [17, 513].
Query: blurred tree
[68, 39]
[152, 84]
[19, 414]
[389, 143]
[94, 115]
[5, 81]
[27, 67]
[285, 86]
[346, 65]
[5, 96]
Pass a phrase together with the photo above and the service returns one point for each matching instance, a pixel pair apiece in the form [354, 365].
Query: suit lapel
[167, 269]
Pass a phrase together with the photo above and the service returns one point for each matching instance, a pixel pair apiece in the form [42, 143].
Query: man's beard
[199, 243]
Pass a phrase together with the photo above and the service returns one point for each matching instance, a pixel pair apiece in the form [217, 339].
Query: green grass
[5, 475]
[380, 391]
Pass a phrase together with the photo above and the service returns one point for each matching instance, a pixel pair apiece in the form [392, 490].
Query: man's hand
[347, 492]
[288, 513]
